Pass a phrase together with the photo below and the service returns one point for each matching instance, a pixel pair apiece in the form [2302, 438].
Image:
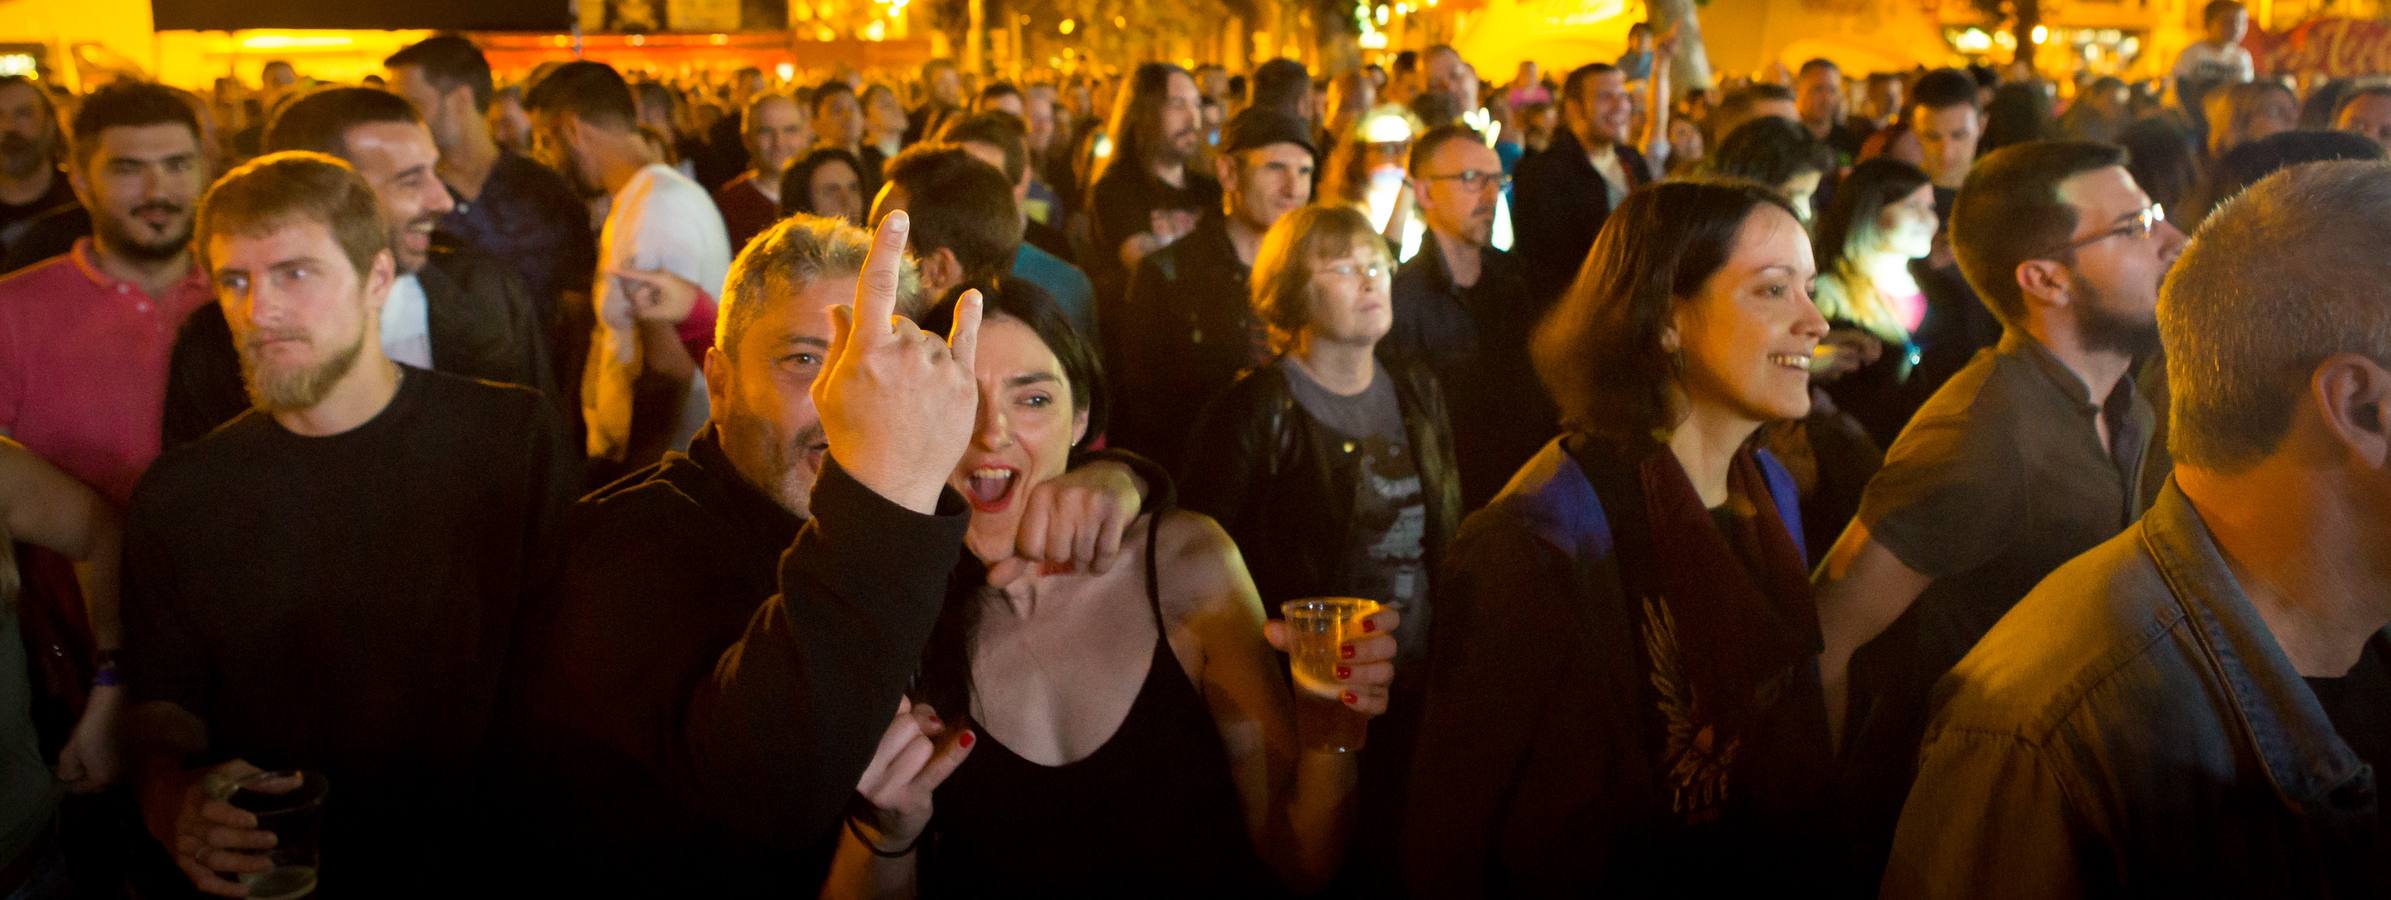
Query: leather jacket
[1283, 485]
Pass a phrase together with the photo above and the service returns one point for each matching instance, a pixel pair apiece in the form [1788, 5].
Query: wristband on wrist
[907, 850]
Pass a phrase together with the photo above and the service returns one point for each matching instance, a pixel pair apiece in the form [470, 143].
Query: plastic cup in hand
[291, 805]
[1319, 626]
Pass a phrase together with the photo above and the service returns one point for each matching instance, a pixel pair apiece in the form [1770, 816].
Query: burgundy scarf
[1726, 617]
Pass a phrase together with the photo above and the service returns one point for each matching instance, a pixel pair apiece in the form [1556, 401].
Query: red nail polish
[1350, 699]
[967, 738]
[1345, 651]
[1344, 673]
[1369, 625]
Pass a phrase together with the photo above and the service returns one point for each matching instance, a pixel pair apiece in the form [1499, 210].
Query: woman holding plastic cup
[1120, 732]
[1623, 695]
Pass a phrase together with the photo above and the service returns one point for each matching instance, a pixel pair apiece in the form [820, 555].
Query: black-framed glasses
[2138, 227]
[1472, 179]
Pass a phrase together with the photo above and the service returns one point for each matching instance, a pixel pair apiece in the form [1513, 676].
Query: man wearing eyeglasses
[1463, 309]
[1187, 327]
[2027, 457]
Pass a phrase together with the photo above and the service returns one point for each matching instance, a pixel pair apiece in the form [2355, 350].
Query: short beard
[284, 392]
[22, 159]
[2107, 332]
[786, 478]
[119, 239]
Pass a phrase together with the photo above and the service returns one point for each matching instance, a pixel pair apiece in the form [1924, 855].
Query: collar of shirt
[194, 282]
[2063, 379]
[406, 323]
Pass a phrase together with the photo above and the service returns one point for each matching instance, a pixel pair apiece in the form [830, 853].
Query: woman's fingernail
[966, 740]
[1344, 673]
[1369, 625]
[1345, 651]
[1351, 699]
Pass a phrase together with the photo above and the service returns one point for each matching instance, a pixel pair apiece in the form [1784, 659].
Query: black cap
[1263, 127]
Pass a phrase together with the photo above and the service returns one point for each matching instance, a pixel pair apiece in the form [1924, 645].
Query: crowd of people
[621, 486]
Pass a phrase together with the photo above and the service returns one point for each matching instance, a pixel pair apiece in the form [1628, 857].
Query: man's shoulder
[2101, 630]
[465, 267]
[39, 280]
[473, 402]
[665, 498]
[195, 470]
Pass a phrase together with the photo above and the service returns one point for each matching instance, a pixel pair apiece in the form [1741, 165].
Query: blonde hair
[1281, 285]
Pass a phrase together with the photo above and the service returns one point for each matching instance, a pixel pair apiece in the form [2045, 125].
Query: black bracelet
[876, 851]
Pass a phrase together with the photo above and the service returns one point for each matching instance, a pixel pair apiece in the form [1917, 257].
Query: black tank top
[1151, 813]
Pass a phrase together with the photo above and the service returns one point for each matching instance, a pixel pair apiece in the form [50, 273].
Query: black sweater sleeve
[780, 733]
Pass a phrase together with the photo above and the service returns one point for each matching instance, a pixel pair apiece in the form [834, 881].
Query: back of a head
[449, 61]
[1280, 84]
[126, 104]
[2018, 113]
[1943, 89]
[1771, 151]
[320, 121]
[2009, 211]
[2288, 273]
[277, 189]
[1599, 350]
[996, 129]
[996, 90]
[590, 91]
[2252, 162]
[1435, 109]
[959, 204]
[2163, 159]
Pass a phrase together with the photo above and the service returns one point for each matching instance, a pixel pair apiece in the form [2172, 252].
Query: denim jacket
[2133, 729]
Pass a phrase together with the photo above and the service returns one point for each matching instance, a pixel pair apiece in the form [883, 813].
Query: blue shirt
[1068, 286]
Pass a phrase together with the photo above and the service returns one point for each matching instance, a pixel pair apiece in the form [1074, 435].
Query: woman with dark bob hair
[1115, 733]
[1623, 697]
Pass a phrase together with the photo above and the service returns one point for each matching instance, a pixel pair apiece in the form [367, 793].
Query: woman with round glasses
[1331, 468]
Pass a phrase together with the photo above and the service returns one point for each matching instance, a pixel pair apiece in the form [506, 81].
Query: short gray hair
[798, 251]
[2279, 278]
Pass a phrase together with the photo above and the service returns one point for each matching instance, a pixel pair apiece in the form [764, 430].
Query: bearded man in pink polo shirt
[85, 337]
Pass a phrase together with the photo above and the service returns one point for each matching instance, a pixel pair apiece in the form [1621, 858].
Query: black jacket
[1283, 486]
[1475, 340]
[1185, 332]
[1558, 205]
[483, 325]
[714, 673]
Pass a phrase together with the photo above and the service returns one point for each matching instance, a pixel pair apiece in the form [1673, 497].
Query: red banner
[2339, 48]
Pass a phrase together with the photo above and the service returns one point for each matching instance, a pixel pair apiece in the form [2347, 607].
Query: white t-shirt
[659, 220]
[406, 323]
[2215, 64]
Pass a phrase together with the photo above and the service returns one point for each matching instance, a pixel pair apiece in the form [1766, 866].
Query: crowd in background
[1929, 483]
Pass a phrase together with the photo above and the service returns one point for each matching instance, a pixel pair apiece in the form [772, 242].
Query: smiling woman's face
[1747, 337]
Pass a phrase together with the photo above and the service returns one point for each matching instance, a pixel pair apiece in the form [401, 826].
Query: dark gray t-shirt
[1390, 513]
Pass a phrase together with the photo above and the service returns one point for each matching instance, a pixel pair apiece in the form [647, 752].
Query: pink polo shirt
[83, 361]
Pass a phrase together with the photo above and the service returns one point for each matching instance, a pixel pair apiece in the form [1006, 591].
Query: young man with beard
[2201, 707]
[85, 338]
[1147, 194]
[30, 182]
[1565, 192]
[1462, 308]
[706, 734]
[331, 582]
[641, 393]
[2029, 456]
[1188, 326]
[506, 206]
[450, 310]
[777, 132]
